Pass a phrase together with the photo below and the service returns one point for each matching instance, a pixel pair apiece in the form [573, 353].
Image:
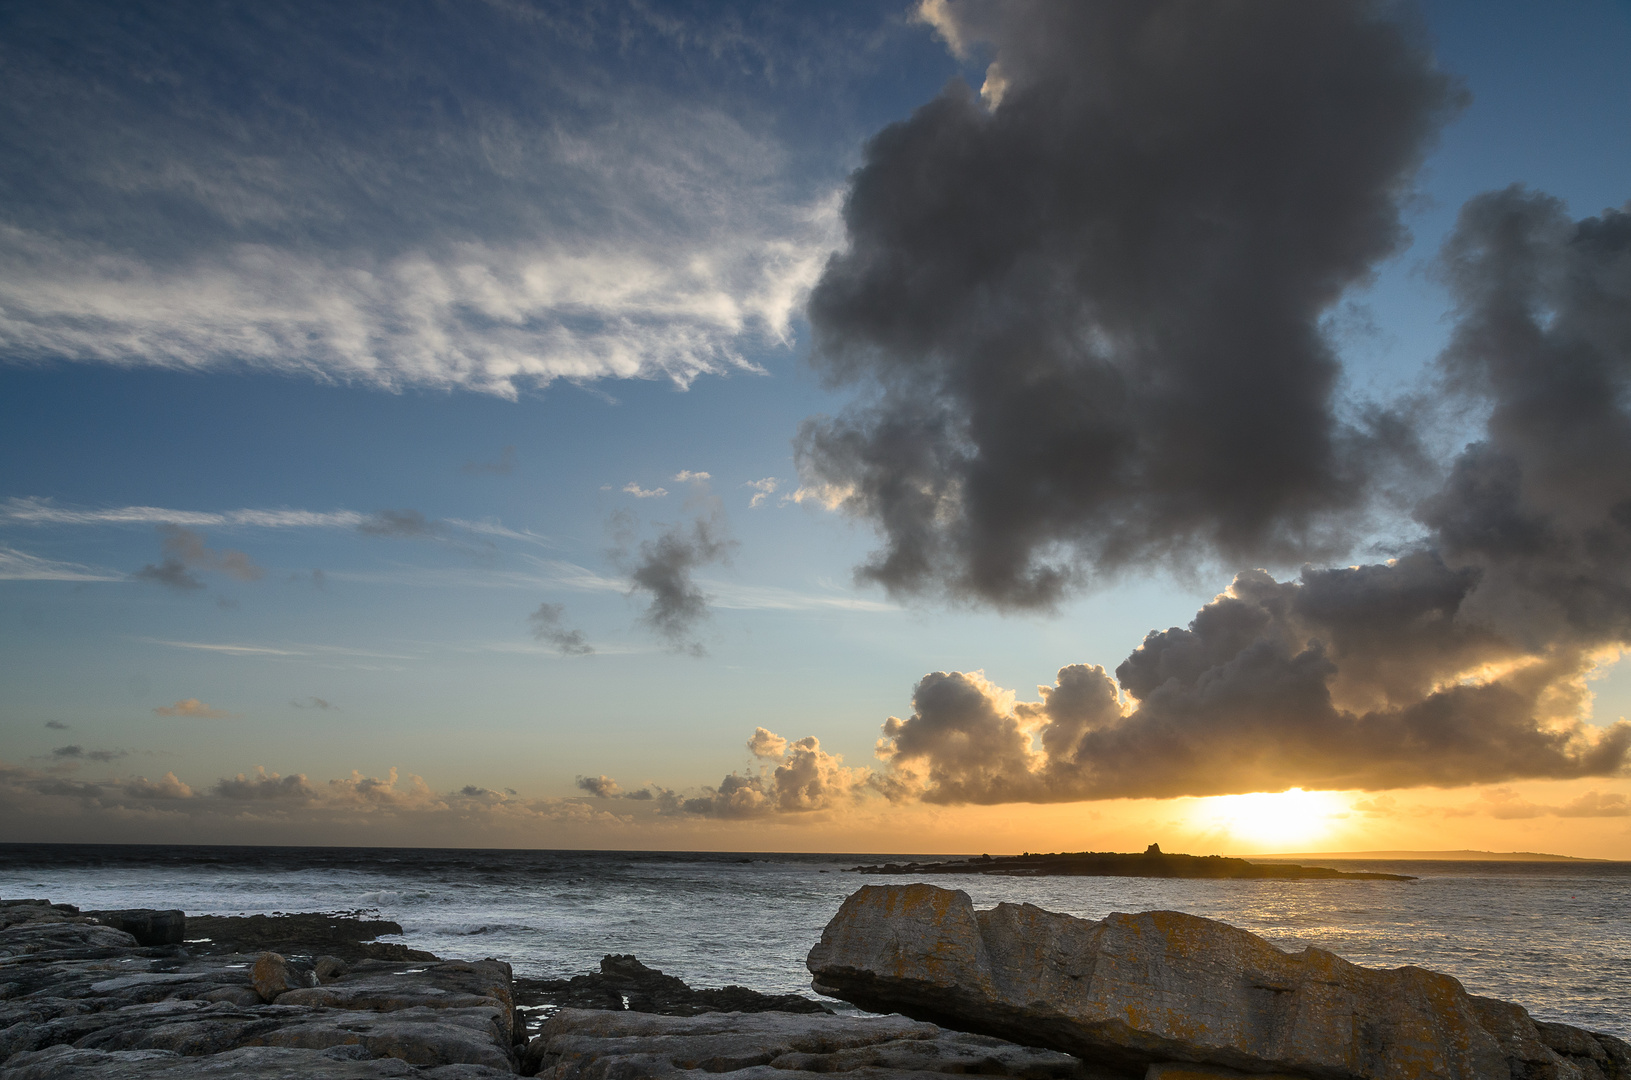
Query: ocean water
[1554, 937]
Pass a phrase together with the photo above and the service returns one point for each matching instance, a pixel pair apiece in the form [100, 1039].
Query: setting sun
[1270, 821]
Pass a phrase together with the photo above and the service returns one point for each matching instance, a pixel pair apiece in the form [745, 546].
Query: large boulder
[1129, 992]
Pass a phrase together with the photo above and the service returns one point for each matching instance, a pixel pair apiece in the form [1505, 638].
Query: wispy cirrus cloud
[575, 218]
[37, 511]
[18, 565]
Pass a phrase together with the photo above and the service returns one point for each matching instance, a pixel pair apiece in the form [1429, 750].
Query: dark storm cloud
[1084, 319]
[548, 628]
[1463, 661]
[664, 573]
[185, 551]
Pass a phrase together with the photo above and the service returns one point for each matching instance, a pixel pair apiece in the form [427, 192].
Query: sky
[940, 426]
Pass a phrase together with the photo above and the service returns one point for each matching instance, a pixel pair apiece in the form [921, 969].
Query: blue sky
[442, 297]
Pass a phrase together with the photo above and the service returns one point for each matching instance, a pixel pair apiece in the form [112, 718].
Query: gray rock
[147, 926]
[248, 1063]
[582, 1044]
[78, 998]
[272, 977]
[1164, 988]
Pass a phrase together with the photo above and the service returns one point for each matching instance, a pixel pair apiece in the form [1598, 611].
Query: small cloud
[766, 744]
[547, 628]
[686, 476]
[227, 603]
[502, 467]
[79, 753]
[664, 572]
[643, 795]
[56, 725]
[314, 703]
[316, 579]
[1594, 804]
[192, 707]
[405, 524]
[601, 787]
[166, 787]
[643, 493]
[265, 785]
[170, 573]
[762, 490]
[184, 551]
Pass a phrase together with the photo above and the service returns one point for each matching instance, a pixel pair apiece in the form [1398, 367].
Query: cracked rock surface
[1163, 989]
[82, 999]
[579, 1044]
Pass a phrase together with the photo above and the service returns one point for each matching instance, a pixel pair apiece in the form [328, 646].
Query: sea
[1554, 937]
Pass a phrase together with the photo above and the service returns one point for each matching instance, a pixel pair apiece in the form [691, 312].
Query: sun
[1292, 820]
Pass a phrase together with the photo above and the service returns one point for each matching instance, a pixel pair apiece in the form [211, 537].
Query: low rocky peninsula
[1014, 991]
[1153, 862]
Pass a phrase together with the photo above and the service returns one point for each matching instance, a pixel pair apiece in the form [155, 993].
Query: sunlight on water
[1552, 937]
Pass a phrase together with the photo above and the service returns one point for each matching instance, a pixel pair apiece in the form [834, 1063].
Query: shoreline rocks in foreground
[1152, 863]
[1166, 994]
[1011, 992]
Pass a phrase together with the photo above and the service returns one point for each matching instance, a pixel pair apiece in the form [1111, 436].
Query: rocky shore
[1010, 992]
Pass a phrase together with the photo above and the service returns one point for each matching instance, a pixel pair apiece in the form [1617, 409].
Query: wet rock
[147, 926]
[272, 976]
[328, 968]
[623, 982]
[582, 1044]
[341, 935]
[1133, 991]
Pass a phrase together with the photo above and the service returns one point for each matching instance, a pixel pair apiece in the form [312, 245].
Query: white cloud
[644, 493]
[33, 511]
[762, 490]
[21, 566]
[686, 476]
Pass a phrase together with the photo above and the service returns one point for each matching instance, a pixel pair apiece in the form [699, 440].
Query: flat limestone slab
[1164, 988]
[581, 1044]
[248, 1063]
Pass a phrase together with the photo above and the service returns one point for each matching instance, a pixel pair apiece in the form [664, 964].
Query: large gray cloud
[1461, 661]
[1084, 315]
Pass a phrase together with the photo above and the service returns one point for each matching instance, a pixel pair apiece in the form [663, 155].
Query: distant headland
[1434, 856]
[1153, 862]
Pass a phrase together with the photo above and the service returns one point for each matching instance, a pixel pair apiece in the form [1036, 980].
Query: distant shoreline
[1464, 855]
[1152, 863]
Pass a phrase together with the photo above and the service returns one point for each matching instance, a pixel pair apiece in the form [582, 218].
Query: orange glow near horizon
[1289, 820]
